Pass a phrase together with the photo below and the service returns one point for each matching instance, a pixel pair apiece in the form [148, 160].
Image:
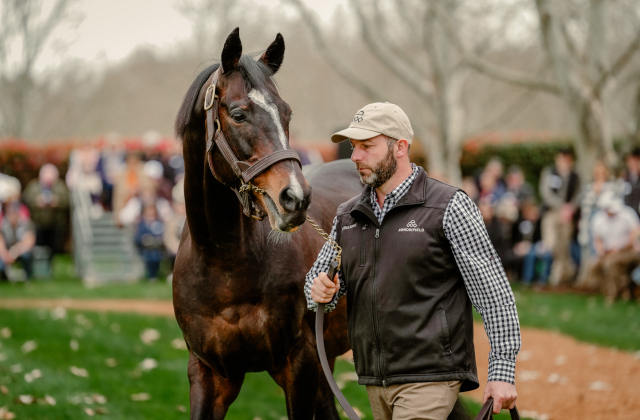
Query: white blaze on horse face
[263, 101]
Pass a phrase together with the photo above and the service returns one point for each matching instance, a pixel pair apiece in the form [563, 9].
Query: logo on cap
[359, 116]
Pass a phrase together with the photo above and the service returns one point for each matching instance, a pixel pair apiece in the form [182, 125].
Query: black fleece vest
[409, 314]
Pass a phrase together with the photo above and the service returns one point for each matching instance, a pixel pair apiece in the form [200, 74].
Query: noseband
[243, 171]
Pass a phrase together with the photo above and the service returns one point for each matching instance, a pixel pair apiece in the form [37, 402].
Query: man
[631, 180]
[48, 200]
[17, 238]
[616, 229]
[559, 188]
[415, 255]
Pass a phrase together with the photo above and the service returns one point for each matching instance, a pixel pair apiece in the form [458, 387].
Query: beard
[381, 172]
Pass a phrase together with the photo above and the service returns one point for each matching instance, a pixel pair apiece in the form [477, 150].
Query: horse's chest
[250, 338]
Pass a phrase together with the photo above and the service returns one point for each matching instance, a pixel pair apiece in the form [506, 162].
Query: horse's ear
[274, 55]
[232, 51]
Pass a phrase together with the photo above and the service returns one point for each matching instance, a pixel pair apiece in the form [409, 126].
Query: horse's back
[337, 180]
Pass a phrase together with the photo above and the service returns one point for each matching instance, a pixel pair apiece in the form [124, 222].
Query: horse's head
[254, 120]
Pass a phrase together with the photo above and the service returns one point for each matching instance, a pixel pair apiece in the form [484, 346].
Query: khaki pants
[611, 272]
[422, 400]
[556, 236]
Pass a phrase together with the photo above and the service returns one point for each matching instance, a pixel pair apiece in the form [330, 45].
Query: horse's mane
[254, 74]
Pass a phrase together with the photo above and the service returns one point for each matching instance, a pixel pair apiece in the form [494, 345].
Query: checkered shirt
[479, 264]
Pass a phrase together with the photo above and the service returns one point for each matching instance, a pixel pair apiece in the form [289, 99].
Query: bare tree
[404, 38]
[584, 61]
[25, 28]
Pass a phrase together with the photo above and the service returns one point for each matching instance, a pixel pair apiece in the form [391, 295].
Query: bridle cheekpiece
[243, 170]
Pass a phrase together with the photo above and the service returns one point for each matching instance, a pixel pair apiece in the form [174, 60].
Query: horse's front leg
[210, 395]
[299, 380]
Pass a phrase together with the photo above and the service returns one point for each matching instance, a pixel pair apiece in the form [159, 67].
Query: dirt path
[557, 378]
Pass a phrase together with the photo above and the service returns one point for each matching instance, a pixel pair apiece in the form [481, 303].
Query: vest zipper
[363, 254]
[374, 310]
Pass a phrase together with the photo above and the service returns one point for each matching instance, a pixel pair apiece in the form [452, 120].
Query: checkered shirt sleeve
[326, 255]
[486, 284]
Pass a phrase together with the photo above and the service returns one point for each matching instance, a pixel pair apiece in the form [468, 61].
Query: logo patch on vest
[349, 227]
[411, 227]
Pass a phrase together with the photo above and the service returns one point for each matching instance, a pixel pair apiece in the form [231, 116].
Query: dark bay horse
[238, 281]
[238, 296]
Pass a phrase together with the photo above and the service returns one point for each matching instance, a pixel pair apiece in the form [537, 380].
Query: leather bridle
[244, 171]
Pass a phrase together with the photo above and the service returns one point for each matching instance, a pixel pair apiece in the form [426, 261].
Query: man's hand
[323, 289]
[504, 395]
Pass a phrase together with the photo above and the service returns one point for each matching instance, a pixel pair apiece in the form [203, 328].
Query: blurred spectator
[17, 238]
[528, 245]
[154, 171]
[631, 179]
[110, 165]
[602, 182]
[82, 173]
[468, 185]
[175, 224]
[616, 229]
[48, 200]
[559, 187]
[10, 190]
[490, 183]
[499, 232]
[129, 183]
[149, 240]
[518, 186]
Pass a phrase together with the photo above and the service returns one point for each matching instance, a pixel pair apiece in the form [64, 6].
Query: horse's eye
[238, 116]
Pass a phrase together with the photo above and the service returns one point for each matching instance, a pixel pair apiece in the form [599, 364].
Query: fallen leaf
[3, 357]
[79, 371]
[111, 362]
[29, 346]
[58, 313]
[142, 396]
[75, 399]
[74, 345]
[17, 368]
[89, 411]
[528, 375]
[5, 332]
[4, 389]
[523, 355]
[599, 386]
[88, 400]
[26, 399]
[148, 364]
[83, 321]
[149, 335]
[181, 408]
[101, 410]
[560, 360]
[5, 414]
[50, 400]
[556, 378]
[179, 344]
[100, 399]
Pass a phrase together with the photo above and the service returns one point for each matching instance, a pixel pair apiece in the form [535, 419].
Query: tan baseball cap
[375, 119]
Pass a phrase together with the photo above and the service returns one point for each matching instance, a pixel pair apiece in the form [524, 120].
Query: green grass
[64, 284]
[103, 336]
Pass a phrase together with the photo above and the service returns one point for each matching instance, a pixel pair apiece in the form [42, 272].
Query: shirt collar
[399, 191]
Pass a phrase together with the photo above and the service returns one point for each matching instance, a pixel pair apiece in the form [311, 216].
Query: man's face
[375, 160]
[633, 164]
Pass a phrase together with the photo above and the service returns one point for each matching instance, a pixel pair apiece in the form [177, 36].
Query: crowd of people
[585, 235]
[142, 187]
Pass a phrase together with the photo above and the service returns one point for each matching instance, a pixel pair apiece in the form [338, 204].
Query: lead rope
[322, 355]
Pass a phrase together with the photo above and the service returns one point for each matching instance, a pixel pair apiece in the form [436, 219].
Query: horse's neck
[214, 214]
